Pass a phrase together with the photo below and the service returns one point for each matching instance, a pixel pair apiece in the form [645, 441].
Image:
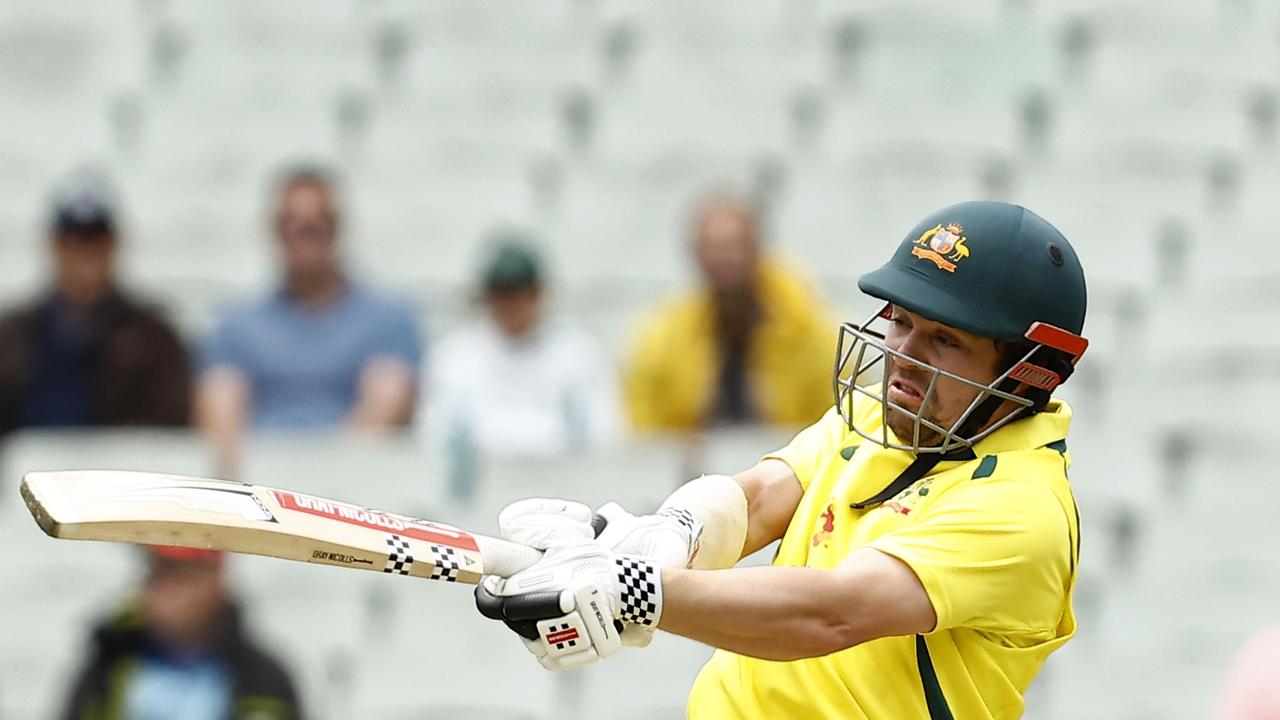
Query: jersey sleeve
[993, 555]
[813, 446]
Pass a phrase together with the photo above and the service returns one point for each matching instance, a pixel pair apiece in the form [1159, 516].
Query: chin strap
[925, 462]
[913, 472]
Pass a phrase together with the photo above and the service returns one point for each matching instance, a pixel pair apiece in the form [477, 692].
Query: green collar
[1029, 433]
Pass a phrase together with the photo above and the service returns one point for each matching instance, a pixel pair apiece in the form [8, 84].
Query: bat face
[159, 509]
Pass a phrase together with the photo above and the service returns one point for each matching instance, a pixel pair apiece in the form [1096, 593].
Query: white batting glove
[666, 539]
[544, 523]
[569, 608]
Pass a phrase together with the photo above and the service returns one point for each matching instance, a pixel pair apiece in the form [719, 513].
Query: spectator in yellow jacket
[751, 345]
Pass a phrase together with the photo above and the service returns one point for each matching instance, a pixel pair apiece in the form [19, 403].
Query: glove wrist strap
[641, 589]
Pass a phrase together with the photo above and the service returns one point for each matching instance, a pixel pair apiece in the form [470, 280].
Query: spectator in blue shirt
[320, 351]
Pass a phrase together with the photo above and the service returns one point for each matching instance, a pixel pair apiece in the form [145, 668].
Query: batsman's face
[946, 348]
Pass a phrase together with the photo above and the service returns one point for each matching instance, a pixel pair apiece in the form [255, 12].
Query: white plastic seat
[630, 224]
[437, 652]
[394, 474]
[731, 450]
[845, 219]
[170, 451]
[728, 119]
[429, 227]
[638, 476]
[668, 665]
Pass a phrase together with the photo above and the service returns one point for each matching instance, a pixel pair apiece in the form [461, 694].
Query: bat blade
[160, 509]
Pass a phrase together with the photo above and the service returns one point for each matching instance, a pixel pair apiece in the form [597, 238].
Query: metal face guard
[861, 349]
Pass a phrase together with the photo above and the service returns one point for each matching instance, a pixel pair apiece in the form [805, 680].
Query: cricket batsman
[930, 541]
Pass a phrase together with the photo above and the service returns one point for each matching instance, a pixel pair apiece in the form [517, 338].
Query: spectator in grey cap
[515, 382]
[85, 352]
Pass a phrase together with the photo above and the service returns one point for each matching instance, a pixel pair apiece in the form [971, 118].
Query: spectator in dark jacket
[180, 652]
[85, 353]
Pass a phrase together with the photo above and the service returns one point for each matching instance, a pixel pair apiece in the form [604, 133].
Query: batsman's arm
[981, 544]
[773, 492]
[786, 613]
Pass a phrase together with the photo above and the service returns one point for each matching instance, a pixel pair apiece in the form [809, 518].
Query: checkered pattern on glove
[641, 590]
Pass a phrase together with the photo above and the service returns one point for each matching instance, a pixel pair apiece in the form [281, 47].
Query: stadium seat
[436, 652]
[638, 476]
[178, 452]
[394, 474]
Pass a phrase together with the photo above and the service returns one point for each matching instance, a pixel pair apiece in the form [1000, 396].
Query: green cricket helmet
[989, 268]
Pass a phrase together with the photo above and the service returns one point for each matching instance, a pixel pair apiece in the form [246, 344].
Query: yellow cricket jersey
[995, 542]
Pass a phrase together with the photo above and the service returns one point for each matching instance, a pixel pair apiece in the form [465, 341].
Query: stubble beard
[904, 426]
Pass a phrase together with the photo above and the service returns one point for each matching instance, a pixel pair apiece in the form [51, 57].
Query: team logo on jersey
[828, 526]
[904, 503]
[944, 246]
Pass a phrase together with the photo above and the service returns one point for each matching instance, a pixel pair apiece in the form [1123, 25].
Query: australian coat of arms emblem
[944, 246]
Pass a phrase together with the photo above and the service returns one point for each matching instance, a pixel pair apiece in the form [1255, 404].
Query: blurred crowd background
[437, 256]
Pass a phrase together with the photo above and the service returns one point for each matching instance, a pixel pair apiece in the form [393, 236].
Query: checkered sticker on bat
[447, 563]
[399, 556]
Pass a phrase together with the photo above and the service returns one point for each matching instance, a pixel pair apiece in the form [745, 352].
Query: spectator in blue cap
[85, 352]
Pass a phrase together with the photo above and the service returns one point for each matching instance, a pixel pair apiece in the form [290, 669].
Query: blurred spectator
[321, 351]
[180, 652]
[1252, 692]
[753, 344]
[85, 352]
[516, 382]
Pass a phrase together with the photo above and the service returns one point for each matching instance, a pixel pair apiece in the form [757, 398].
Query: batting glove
[544, 523]
[666, 539]
[569, 608]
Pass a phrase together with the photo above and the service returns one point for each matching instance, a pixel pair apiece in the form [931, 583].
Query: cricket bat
[160, 509]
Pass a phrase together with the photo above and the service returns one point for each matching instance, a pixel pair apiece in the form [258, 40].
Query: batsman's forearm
[774, 613]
